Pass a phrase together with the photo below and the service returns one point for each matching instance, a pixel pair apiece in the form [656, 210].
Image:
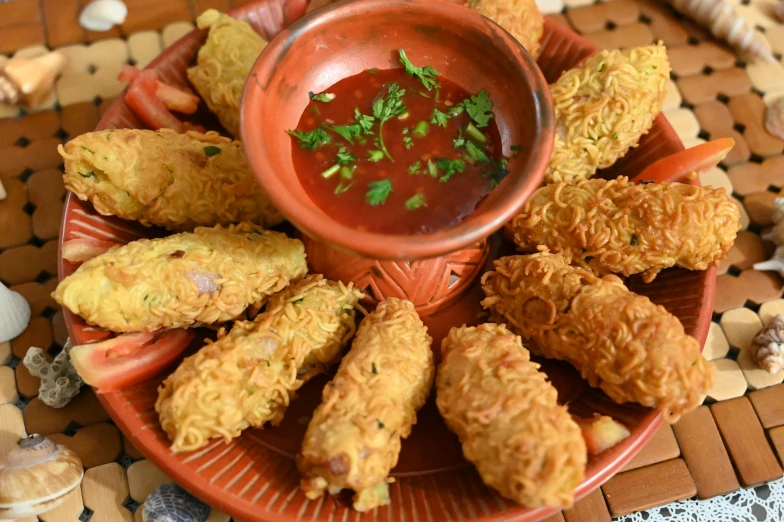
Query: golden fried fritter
[185, 280]
[353, 439]
[249, 376]
[603, 108]
[506, 414]
[620, 227]
[521, 18]
[223, 65]
[176, 181]
[620, 342]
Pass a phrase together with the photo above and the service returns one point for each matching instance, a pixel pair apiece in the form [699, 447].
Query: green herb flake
[416, 201]
[372, 71]
[87, 175]
[324, 97]
[421, 129]
[386, 107]
[498, 172]
[347, 132]
[408, 142]
[379, 192]
[344, 157]
[211, 150]
[588, 259]
[427, 75]
[375, 155]
[475, 152]
[268, 363]
[342, 187]
[88, 150]
[311, 140]
[381, 425]
[615, 135]
[601, 68]
[634, 241]
[415, 168]
[450, 168]
[439, 118]
[516, 150]
[459, 141]
[364, 121]
[373, 368]
[432, 168]
[478, 108]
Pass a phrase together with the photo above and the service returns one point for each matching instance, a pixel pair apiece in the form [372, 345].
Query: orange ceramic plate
[254, 478]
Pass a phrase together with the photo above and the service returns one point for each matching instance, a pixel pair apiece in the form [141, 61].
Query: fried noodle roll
[506, 414]
[176, 181]
[185, 280]
[250, 374]
[603, 108]
[620, 227]
[620, 342]
[354, 437]
[521, 18]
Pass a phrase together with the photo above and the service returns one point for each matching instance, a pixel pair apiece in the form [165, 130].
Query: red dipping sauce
[426, 173]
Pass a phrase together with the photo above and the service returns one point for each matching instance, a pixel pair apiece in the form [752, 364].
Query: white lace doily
[762, 504]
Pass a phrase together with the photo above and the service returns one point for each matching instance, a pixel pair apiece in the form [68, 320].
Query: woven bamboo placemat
[735, 440]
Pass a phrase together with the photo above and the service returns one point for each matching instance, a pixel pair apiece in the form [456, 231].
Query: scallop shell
[14, 314]
[102, 15]
[171, 503]
[37, 476]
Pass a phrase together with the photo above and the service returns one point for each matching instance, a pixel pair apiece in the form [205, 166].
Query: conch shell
[768, 346]
[30, 80]
[775, 263]
[37, 477]
[14, 314]
[171, 503]
[725, 23]
[776, 234]
[102, 15]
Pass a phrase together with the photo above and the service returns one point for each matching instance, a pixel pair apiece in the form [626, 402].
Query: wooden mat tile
[591, 508]
[173, 32]
[716, 345]
[673, 99]
[20, 25]
[684, 122]
[78, 61]
[143, 478]
[58, 34]
[769, 405]
[747, 250]
[770, 309]
[750, 178]
[595, 17]
[740, 325]
[717, 178]
[104, 489]
[38, 333]
[27, 383]
[37, 155]
[660, 448]
[745, 439]
[647, 487]
[83, 410]
[34, 127]
[131, 450]
[38, 295]
[704, 453]
[199, 6]
[8, 393]
[5, 353]
[12, 427]
[26, 262]
[727, 82]
[105, 81]
[46, 191]
[59, 329]
[153, 14]
[687, 60]
[15, 227]
[716, 119]
[144, 46]
[79, 118]
[558, 517]
[68, 511]
[622, 37]
[777, 439]
[729, 381]
[745, 219]
[75, 88]
[748, 110]
[96, 445]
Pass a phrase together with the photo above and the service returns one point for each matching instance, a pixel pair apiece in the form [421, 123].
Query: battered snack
[603, 108]
[185, 280]
[249, 376]
[620, 227]
[521, 18]
[506, 414]
[223, 65]
[176, 181]
[620, 342]
[353, 439]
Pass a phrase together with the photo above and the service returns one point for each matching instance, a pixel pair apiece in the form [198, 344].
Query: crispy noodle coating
[249, 375]
[619, 341]
[223, 64]
[604, 107]
[621, 227]
[176, 181]
[521, 18]
[354, 437]
[506, 414]
[207, 276]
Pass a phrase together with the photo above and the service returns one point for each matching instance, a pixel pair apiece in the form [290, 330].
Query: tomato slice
[696, 159]
[128, 358]
[174, 99]
[127, 74]
[143, 101]
[81, 250]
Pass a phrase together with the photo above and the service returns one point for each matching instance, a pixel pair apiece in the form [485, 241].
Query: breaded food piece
[223, 65]
[176, 181]
[249, 375]
[521, 18]
[506, 414]
[210, 275]
[621, 342]
[604, 107]
[354, 437]
[621, 227]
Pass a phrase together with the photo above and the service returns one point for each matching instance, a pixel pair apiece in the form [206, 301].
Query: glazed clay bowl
[254, 478]
[346, 38]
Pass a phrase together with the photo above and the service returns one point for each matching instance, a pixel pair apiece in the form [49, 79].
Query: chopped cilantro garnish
[634, 241]
[478, 108]
[372, 71]
[416, 201]
[331, 171]
[87, 175]
[342, 187]
[211, 150]
[601, 69]
[498, 173]
[380, 424]
[425, 74]
[387, 107]
[450, 168]
[588, 259]
[311, 140]
[615, 135]
[476, 153]
[408, 142]
[348, 132]
[364, 121]
[475, 133]
[379, 191]
[459, 141]
[373, 368]
[432, 168]
[88, 150]
[375, 155]
[439, 118]
[415, 167]
[421, 128]
[344, 157]
[325, 97]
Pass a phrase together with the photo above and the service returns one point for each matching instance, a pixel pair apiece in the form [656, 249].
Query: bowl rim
[522, 181]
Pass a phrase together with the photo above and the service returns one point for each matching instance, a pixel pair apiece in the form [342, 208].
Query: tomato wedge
[696, 159]
[173, 98]
[81, 250]
[143, 101]
[128, 358]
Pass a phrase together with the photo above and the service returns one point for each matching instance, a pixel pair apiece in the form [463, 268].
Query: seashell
[774, 116]
[776, 234]
[725, 23]
[60, 381]
[171, 503]
[102, 15]
[14, 314]
[775, 263]
[768, 346]
[30, 80]
[37, 476]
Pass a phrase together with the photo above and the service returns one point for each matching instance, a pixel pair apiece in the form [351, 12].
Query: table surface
[735, 440]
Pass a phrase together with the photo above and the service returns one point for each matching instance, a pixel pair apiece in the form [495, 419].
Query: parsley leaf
[311, 140]
[439, 118]
[425, 74]
[375, 155]
[211, 150]
[386, 107]
[415, 167]
[416, 201]
[344, 157]
[450, 168]
[364, 121]
[325, 97]
[408, 142]
[498, 173]
[348, 132]
[379, 191]
[478, 106]
[88, 150]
